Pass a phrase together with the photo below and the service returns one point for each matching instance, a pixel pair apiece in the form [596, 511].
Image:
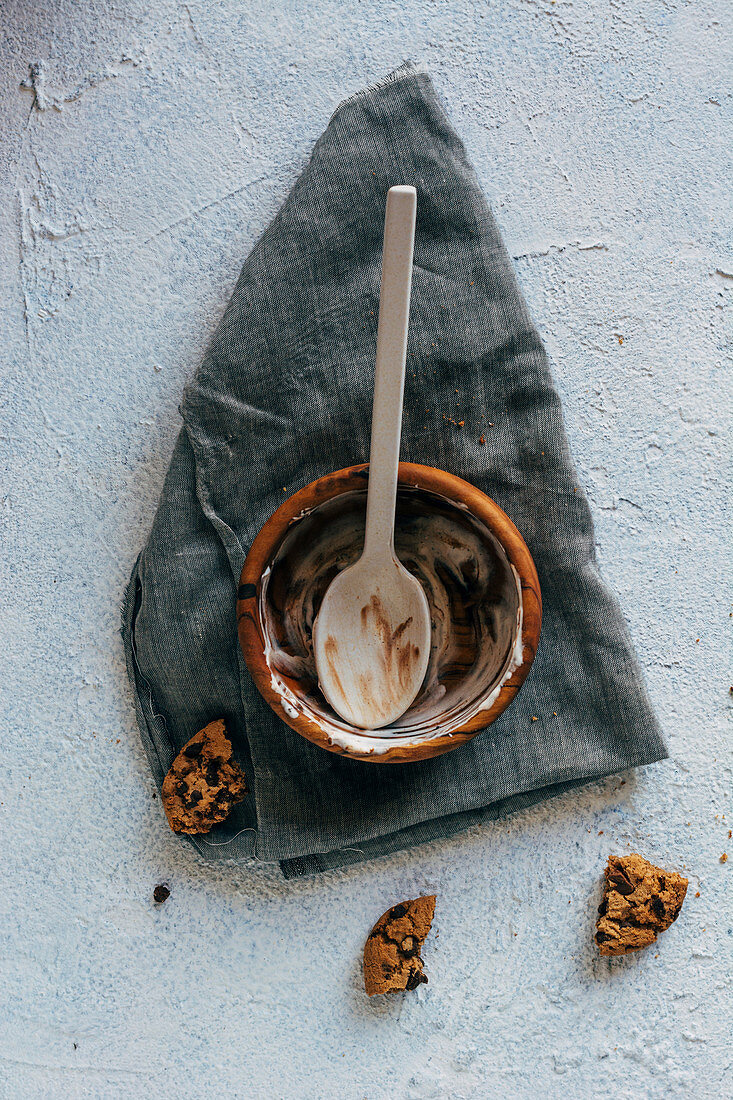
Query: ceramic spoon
[372, 634]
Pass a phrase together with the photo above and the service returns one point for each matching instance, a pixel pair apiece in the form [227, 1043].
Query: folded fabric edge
[127, 631]
[152, 732]
[436, 829]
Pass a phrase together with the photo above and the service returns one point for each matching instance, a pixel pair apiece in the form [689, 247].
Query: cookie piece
[639, 902]
[392, 960]
[203, 783]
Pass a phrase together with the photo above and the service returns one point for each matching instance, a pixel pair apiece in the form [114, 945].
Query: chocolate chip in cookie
[639, 901]
[392, 960]
[203, 783]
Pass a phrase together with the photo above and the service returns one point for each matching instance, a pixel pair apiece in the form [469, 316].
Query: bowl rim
[411, 475]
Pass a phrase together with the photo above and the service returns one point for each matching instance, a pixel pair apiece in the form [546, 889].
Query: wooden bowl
[479, 576]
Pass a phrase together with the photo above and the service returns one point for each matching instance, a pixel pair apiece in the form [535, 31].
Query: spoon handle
[389, 375]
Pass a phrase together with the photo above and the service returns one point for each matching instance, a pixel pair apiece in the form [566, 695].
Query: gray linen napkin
[283, 396]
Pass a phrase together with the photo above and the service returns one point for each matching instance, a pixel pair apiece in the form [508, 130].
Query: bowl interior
[473, 590]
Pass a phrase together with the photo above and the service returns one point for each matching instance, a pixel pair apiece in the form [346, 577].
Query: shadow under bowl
[481, 584]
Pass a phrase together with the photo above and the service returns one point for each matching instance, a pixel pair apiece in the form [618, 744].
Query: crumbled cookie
[639, 902]
[203, 783]
[392, 960]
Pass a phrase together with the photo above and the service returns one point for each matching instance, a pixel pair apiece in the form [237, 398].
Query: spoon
[372, 634]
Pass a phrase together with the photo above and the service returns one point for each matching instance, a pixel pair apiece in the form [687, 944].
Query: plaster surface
[149, 146]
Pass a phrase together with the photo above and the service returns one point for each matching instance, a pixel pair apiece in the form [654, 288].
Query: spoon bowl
[372, 634]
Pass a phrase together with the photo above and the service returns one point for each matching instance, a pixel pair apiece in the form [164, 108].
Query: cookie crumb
[161, 893]
[639, 901]
[724, 857]
[392, 962]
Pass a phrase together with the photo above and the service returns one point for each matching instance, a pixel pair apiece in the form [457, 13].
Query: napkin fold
[282, 396]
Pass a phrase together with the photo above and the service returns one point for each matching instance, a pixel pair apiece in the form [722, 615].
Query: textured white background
[159, 141]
